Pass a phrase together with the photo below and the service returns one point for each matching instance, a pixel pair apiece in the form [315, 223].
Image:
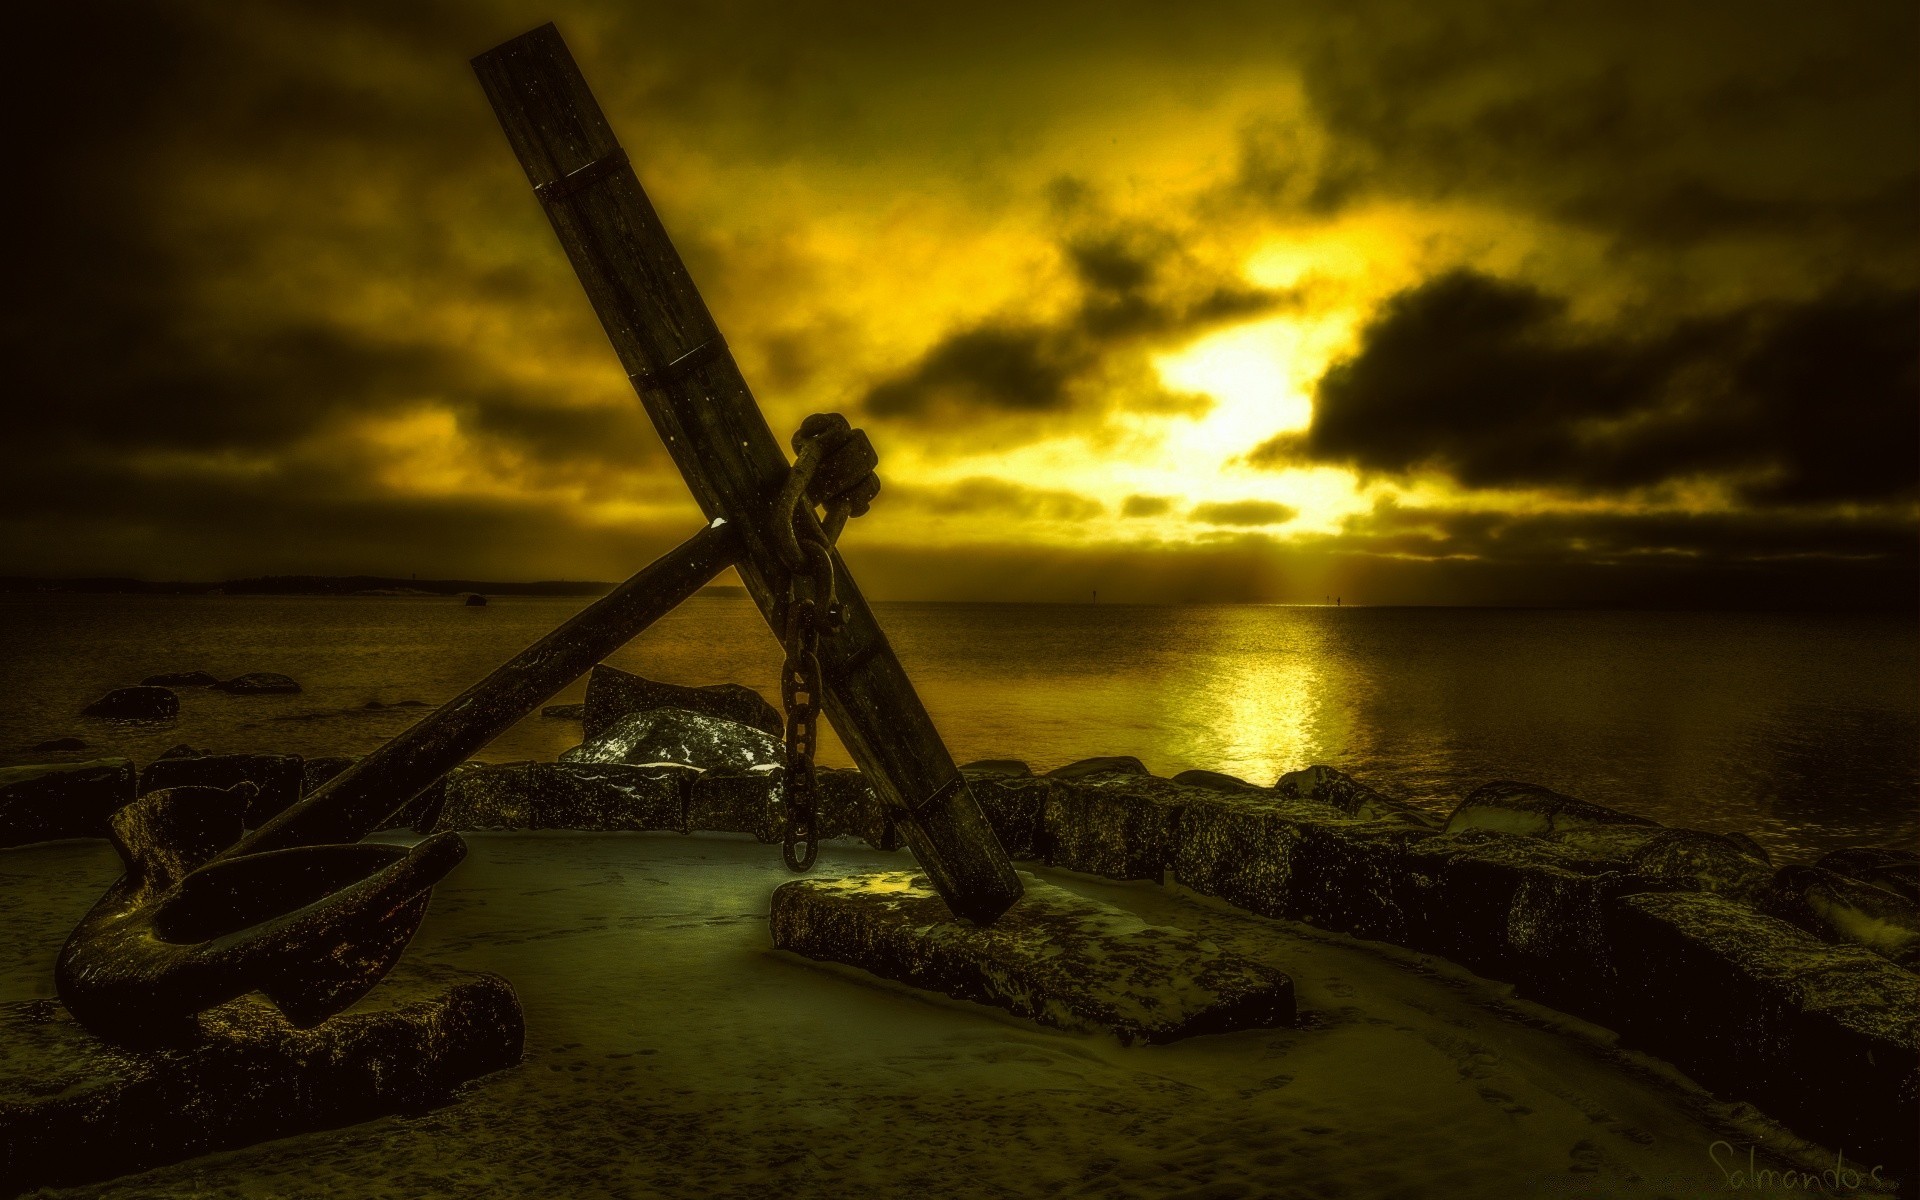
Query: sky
[1560, 303]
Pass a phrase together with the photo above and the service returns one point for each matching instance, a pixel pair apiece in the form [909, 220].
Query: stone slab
[1056, 957]
[75, 1109]
[564, 795]
[62, 800]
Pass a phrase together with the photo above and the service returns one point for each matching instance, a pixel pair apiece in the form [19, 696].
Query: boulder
[1215, 781]
[259, 683]
[277, 778]
[996, 766]
[1349, 796]
[738, 802]
[1055, 957]
[316, 773]
[182, 750]
[1826, 1037]
[60, 745]
[180, 679]
[1895, 870]
[1117, 824]
[1113, 764]
[564, 712]
[476, 600]
[1015, 806]
[1836, 908]
[135, 704]
[64, 800]
[1525, 808]
[75, 1110]
[613, 694]
[674, 735]
[849, 808]
[543, 795]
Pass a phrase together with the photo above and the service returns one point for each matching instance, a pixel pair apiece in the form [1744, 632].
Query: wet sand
[672, 1052]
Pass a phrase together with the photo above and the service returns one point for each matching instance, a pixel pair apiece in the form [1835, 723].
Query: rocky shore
[1791, 987]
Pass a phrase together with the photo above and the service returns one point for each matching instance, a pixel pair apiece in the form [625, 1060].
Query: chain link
[812, 608]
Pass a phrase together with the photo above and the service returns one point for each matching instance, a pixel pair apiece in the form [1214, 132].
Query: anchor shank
[679, 364]
[357, 801]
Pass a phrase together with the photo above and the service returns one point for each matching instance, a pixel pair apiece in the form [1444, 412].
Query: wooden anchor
[296, 909]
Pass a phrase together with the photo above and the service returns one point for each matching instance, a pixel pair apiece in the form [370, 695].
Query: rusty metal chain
[833, 467]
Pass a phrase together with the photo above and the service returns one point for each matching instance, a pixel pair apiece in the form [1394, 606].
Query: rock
[1116, 764]
[373, 705]
[1288, 856]
[1895, 870]
[185, 751]
[277, 779]
[409, 704]
[563, 795]
[62, 745]
[1689, 860]
[848, 808]
[673, 735]
[739, 802]
[1115, 824]
[476, 600]
[1215, 781]
[1349, 796]
[997, 767]
[613, 694]
[316, 773]
[564, 712]
[1055, 957]
[259, 683]
[1509, 807]
[1746, 842]
[135, 704]
[1826, 1037]
[180, 679]
[1836, 908]
[75, 1110]
[1015, 806]
[67, 800]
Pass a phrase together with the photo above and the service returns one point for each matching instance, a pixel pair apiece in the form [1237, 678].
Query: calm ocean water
[1802, 730]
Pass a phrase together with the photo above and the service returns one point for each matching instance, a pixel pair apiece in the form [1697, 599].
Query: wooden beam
[679, 364]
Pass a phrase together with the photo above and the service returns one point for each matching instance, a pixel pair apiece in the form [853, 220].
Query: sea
[1802, 730]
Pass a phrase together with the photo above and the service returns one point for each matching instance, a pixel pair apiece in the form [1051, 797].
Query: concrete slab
[1056, 957]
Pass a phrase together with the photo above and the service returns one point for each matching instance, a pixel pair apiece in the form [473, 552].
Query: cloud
[987, 496]
[1243, 512]
[1490, 382]
[1145, 506]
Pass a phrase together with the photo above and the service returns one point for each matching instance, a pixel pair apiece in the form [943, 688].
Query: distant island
[329, 585]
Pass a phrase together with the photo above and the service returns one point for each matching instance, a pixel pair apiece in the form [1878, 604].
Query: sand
[672, 1052]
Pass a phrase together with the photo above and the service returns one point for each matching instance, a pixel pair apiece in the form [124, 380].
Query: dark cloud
[1243, 512]
[1140, 288]
[1490, 382]
[1146, 506]
[986, 496]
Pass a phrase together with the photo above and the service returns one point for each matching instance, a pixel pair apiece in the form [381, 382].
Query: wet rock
[996, 766]
[65, 800]
[1114, 764]
[316, 773]
[1689, 860]
[1746, 842]
[1826, 1037]
[849, 808]
[181, 679]
[1836, 908]
[1055, 957]
[1287, 856]
[1015, 806]
[135, 704]
[277, 778]
[613, 695]
[62, 745]
[1349, 796]
[1525, 808]
[182, 750]
[1117, 824]
[75, 1110]
[1215, 781]
[476, 600]
[564, 712]
[563, 796]
[1895, 870]
[259, 683]
[673, 735]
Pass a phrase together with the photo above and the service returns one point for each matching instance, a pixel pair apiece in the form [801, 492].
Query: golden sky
[1409, 302]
